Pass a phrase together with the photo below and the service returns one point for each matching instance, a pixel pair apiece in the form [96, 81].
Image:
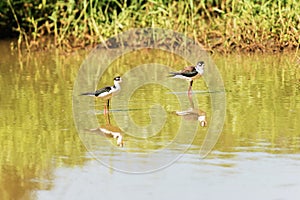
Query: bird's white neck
[117, 85]
[200, 70]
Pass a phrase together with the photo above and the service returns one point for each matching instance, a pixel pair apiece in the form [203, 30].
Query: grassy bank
[220, 25]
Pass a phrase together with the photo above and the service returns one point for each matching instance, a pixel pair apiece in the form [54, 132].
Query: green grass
[220, 25]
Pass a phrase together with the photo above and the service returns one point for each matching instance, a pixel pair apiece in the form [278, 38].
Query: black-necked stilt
[107, 92]
[190, 74]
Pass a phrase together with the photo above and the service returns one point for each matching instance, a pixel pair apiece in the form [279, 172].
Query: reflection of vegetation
[223, 25]
[37, 132]
[263, 103]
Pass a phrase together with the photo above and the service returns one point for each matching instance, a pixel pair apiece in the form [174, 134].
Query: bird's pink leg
[189, 92]
[106, 108]
[107, 118]
[191, 100]
[105, 111]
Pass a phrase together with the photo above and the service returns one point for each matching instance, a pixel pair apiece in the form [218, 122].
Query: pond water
[46, 155]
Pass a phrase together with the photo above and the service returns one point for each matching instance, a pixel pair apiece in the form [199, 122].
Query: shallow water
[43, 157]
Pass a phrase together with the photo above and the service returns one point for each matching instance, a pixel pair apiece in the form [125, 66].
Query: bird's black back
[102, 90]
[185, 73]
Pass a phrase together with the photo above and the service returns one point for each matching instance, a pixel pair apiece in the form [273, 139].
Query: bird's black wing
[102, 90]
[185, 73]
[97, 92]
[88, 94]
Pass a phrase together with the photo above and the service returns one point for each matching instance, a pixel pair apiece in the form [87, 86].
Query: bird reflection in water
[109, 130]
[193, 114]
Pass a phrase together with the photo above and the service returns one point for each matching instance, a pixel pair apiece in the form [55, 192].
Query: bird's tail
[172, 74]
[88, 94]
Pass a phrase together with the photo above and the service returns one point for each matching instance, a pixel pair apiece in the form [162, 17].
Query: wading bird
[190, 73]
[107, 92]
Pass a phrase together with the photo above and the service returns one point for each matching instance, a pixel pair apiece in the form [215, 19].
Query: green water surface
[43, 157]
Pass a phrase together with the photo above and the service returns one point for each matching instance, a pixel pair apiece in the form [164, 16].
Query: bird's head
[200, 67]
[117, 79]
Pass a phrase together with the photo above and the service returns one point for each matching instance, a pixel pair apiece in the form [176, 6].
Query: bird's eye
[201, 64]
